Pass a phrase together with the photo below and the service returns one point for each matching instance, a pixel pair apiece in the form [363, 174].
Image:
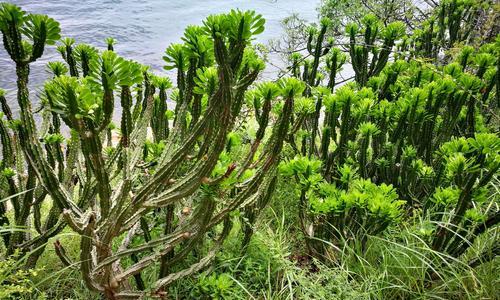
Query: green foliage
[72, 99]
[110, 71]
[206, 81]
[213, 287]
[57, 68]
[291, 87]
[376, 205]
[38, 30]
[15, 282]
[175, 57]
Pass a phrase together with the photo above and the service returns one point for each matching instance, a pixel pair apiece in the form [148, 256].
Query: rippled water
[143, 29]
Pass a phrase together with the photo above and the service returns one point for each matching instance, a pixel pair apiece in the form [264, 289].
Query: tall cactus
[317, 49]
[185, 173]
[25, 36]
[367, 57]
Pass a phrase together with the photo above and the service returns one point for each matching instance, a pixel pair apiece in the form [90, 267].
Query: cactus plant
[367, 58]
[184, 171]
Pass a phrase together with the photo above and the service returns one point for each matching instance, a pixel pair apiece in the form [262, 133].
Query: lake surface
[143, 29]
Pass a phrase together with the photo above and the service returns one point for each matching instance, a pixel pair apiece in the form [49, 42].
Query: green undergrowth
[275, 266]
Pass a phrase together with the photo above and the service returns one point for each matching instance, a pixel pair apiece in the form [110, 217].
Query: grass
[394, 266]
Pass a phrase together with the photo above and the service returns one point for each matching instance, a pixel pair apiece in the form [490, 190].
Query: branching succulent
[388, 128]
[117, 200]
[367, 57]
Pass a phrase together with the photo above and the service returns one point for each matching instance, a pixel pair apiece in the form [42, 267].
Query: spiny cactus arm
[47, 232]
[318, 51]
[71, 159]
[13, 193]
[41, 30]
[11, 20]
[139, 90]
[331, 65]
[239, 28]
[61, 253]
[158, 285]
[84, 54]
[344, 128]
[310, 38]
[217, 29]
[29, 187]
[367, 130]
[161, 130]
[126, 120]
[172, 239]
[86, 260]
[8, 154]
[67, 53]
[110, 42]
[352, 30]
[5, 106]
[263, 119]
[175, 57]
[296, 59]
[392, 32]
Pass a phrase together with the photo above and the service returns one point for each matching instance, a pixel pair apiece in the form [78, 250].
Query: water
[143, 29]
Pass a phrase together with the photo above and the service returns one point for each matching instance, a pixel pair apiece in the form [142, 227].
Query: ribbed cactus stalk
[368, 57]
[66, 50]
[160, 124]
[40, 30]
[84, 54]
[334, 62]
[317, 49]
[366, 131]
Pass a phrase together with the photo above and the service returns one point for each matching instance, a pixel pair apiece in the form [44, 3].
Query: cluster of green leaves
[363, 197]
[356, 208]
[37, 30]
[216, 287]
[15, 282]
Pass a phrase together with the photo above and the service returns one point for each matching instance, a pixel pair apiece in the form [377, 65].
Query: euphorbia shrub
[157, 200]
